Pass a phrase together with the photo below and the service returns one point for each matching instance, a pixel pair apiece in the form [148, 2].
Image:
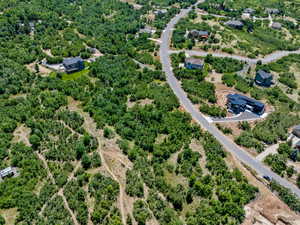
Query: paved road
[235, 150]
[267, 59]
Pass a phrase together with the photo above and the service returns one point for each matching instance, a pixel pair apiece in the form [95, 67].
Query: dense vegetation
[254, 39]
[193, 81]
[67, 122]
[286, 195]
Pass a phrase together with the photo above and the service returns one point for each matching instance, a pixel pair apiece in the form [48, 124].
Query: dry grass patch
[21, 134]
[9, 215]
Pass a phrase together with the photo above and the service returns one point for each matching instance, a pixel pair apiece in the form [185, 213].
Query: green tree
[35, 141]
[86, 161]
[141, 212]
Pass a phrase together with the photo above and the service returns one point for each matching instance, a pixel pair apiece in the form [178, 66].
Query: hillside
[109, 144]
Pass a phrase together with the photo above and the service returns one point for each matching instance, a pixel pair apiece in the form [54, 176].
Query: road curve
[235, 150]
[267, 59]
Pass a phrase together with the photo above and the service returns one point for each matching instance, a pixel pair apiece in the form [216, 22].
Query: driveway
[245, 116]
[228, 144]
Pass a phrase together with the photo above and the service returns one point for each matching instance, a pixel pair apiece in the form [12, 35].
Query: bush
[244, 125]
[229, 79]
[277, 163]
[35, 141]
[225, 130]
[108, 133]
[215, 111]
[86, 161]
[247, 140]
[286, 196]
[288, 79]
[2, 220]
[141, 212]
[54, 60]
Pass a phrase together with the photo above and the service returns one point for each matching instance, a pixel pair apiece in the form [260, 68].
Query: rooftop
[234, 23]
[241, 99]
[263, 74]
[200, 32]
[196, 61]
[249, 10]
[272, 10]
[71, 61]
[276, 25]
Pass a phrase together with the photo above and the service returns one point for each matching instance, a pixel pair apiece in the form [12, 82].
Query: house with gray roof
[160, 12]
[276, 25]
[148, 30]
[199, 34]
[73, 64]
[235, 24]
[263, 78]
[272, 11]
[194, 63]
[249, 11]
[296, 131]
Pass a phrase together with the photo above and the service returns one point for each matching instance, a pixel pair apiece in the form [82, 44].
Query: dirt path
[90, 126]
[71, 129]
[89, 205]
[61, 191]
[66, 204]
[270, 150]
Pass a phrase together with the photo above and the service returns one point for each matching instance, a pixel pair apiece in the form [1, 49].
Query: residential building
[235, 24]
[194, 63]
[263, 78]
[73, 64]
[199, 34]
[246, 16]
[148, 30]
[276, 25]
[160, 12]
[237, 103]
[296, 131]
[249, 11]
[9, 171]
[272, 11]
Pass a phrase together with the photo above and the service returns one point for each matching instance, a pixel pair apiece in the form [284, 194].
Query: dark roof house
[194, 63]
[160, 12]
[249, 10]
[296, 131]
[148, 30]
[263, 78]
[73, 64]
[234, 24]
[199, 34]
[272, 11]
[237, 103]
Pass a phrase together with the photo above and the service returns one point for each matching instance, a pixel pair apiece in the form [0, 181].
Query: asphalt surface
[245, 116]
[235, 150]
[267, 59]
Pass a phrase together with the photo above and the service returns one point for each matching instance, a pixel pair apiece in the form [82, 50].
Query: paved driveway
[230, 146]
[245, 116]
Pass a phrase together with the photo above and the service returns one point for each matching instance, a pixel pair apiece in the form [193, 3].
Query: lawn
[73, 76]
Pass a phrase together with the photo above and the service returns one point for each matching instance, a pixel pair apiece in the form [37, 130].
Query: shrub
[215, 111]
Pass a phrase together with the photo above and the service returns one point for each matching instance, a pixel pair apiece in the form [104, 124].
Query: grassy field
[73, 76]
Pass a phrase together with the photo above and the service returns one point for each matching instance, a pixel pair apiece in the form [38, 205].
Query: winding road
[230, 146]
[267, 59]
